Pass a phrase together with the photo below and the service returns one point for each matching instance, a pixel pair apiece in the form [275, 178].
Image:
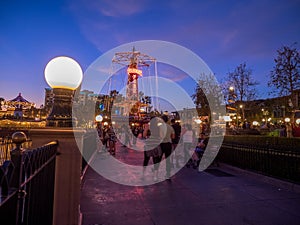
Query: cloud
[171, 72]
[223, 34]
[116, 8]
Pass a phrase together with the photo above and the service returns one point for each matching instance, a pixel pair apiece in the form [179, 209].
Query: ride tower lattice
[134, 61]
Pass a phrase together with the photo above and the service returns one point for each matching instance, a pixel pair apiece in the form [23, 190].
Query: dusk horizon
[223, 34]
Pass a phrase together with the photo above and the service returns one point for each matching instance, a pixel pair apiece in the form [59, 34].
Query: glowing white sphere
[99, 118]
[63, 72]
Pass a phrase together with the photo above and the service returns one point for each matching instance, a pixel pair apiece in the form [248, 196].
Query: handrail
[24, 179]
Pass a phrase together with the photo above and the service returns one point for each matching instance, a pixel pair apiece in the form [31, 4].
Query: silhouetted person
[175, 140]
[167, 134]
[152, 145]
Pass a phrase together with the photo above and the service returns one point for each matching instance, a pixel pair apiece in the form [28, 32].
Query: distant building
[85, 96]
[272, 109]
[17, 107]
[49, 97]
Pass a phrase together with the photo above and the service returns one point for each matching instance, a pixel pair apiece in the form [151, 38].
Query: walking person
[111, 140]
[289, 131]
[135, 132]
[188, 139]
[127, 132]
[177, 129]
[105, 136]
[167, 134]
[200, 148]
[283, 132]
[152, 146]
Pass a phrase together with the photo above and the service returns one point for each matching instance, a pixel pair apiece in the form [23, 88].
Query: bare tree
[207, 92]
[200, 99]
[243, 83]
[285, 76]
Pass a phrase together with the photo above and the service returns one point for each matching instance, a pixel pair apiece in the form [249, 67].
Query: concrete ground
[218, 196]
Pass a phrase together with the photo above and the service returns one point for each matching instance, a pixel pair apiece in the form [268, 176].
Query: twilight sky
[223, 33]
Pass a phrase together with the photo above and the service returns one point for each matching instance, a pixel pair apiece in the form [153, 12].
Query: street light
[232, 95]
[198, 121]
[243, 113]
[64, 75]
[231, 102]
[99, 118]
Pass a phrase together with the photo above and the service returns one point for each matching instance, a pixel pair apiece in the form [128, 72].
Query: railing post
[67, 171]
[16, 157]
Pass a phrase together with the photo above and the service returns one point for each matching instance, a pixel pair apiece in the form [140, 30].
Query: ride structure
[135, 61]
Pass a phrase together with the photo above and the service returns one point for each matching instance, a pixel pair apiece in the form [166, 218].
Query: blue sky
[223, 33]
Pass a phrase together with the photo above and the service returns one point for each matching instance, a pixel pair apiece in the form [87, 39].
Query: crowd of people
[161, 137]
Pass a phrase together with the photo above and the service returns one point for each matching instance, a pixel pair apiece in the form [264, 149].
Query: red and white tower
[134, 61]
[133, 73]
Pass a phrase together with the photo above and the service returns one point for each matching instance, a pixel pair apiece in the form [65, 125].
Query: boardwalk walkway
[219, 196]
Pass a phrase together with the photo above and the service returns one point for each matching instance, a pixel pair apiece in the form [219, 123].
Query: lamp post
[64, 75]
[231, 102]
[243, 113]
[232, 95]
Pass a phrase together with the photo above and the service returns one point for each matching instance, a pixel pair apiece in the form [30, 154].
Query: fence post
[67, 171]
[16, 157]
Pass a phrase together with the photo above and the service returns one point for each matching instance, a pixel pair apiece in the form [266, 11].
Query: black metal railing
[27, 185]
[266, 159]
[280, 143]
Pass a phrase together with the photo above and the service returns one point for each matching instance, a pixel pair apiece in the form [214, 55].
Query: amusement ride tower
[134, 61]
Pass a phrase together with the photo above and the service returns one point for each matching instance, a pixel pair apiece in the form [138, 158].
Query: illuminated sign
[134, 71]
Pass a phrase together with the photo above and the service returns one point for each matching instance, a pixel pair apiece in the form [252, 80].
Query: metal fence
[279, 143]
[280, 163]
[27, 186]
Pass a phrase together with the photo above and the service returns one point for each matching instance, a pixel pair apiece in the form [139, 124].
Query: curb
[263, 178]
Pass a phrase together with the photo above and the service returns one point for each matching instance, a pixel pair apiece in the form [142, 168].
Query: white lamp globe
[63, 72]
[99, 118]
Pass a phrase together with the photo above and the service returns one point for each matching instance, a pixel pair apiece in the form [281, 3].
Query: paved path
[218, 196]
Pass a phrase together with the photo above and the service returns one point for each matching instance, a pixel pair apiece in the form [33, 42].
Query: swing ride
[135, 62]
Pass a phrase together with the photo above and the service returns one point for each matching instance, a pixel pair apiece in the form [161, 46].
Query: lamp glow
[198, 121]
[99, 118]
[63, 72]
[227, 119]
